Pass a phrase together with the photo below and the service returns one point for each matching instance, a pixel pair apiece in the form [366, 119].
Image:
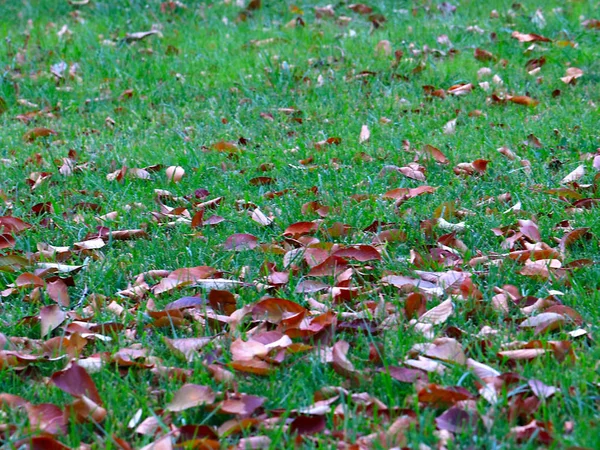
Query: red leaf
[456, 420]
[435, 153]
[51, 317]
[9, 224]
[262, 181]
[32, 135]
[360, 253]
[47, 418]
[29, 280]
[278, 310]
[57, 291]
[530, 37]
[76, 381]
[241, 241]
[405, 375]
[437, 395]
[331, 267]
[300, 228]
[307, 425]
[242, 404]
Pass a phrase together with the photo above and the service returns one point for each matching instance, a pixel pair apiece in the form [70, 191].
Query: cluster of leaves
[286, 309]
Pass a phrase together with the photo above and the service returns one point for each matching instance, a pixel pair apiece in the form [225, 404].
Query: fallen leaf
[191, 396]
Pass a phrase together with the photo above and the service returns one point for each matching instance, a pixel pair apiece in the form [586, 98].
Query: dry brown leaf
[575, 175]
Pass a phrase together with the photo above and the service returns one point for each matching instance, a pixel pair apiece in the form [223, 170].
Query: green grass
[205, 80]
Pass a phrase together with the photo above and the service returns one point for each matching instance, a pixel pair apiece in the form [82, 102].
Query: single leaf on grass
[413, 171]
[360, 253]
[544, 322]
[533, 431]
[187, 347]
[522, 354]
[9, 224]
[190, 396]
[575, 175]
[572, 74]
[302, 425]
[456, 420]
[140, 35]
[522, 100]
[434, 153]
[446, 349]
[40, 132]
[460, 89]
[529, 37]
[241, 404]
[254, 366]
[300, 228]
[438, 314]
[241, 241]
[7, 241]
[436, 395]
[247, 350]
[573, 236]
[340, 362]
[541, 390]
[311, 286]
[75, 380]
[57, 291]
[482, 371]
[530, 229]
[29, 280]
[259, 217]
[47, 418]
[405, 375]
[278, 310]
[50, 318]
[402, 194]
[483, 55]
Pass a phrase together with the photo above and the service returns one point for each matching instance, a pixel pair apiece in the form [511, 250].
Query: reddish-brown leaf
[406, 375]
[190, 396]
[522, 100]
[360, 253]
[50, 318]
[9, 224]
[40, 132]
[278, 310]
[254, 366]
[456, 420]
[573, 236]
[402, 194]
[241, 241]
[57, 291]
[226, 147]
[300, 228]
[529, 37]
[435, 153]
[302, 425]
[29, 280]
[76, 381]
[47, 418]
[436, 395]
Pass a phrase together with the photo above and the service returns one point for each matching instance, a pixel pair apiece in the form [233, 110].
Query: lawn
[246, 224]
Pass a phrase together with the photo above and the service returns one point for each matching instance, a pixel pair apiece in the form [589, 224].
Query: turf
[219, 72]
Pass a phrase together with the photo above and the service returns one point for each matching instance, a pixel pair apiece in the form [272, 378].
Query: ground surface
[278, 225]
